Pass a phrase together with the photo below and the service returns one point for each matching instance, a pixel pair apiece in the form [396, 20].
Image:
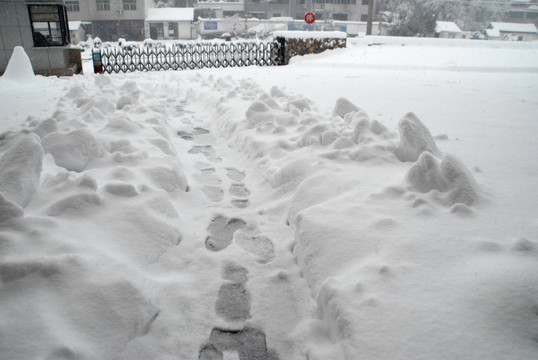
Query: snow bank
[382, 253]
[85, 204]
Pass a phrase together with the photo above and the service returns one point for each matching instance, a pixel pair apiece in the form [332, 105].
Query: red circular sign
[310, 17]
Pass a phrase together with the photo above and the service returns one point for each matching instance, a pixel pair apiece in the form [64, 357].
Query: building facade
[110, 19]
[342, 10]
[170, 23]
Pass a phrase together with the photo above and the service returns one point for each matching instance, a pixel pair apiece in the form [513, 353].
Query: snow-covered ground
[374, 202]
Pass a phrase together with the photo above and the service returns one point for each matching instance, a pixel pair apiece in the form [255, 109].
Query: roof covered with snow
[513, 27]
[169, 14]
[446, 26]
[74, 25]
[493, 33]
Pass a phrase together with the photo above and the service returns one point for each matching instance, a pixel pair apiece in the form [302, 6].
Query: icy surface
[374, 202]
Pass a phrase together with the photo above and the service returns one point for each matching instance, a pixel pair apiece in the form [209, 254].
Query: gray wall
[15, 30]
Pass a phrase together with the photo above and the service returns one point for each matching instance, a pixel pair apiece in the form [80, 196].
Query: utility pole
[245, 15]
[370, 17]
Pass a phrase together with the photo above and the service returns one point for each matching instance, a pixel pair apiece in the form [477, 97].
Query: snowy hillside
[374, 202]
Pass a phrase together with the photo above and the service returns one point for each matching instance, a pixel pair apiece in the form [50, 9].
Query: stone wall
[303, 45]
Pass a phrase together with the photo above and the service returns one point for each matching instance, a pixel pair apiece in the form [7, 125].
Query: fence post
[281, 51]
[97, 63]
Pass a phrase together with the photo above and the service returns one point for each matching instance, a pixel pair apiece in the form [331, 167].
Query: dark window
[341, 17]
[72, 5]
[365, 2]
[102, 5]
[49, 25]
[129, 5]
[364, 17]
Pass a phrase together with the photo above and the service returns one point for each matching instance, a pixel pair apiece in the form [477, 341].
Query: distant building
[341, 10]
[78, 31]
[523, 11]
[110, 19]
[447, 30]
[41, 28]
[170, 23]
[512, 31]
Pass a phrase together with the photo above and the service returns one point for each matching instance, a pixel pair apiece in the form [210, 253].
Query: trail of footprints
[233, 302]
[212, 184]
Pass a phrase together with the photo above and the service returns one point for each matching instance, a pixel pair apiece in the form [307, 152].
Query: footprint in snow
[208, 176]
[206, 150]
[233, 300]
[235, 174]
[200, 131]
[221, 231]
[249, 343]
[240, 203]
[239, 189]
[184, 135]
[213, 193]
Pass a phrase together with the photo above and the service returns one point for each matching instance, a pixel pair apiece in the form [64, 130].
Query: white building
[512, 31]
[447, 30]
[170, 23]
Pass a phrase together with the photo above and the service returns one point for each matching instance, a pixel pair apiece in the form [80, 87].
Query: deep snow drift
[203, 214]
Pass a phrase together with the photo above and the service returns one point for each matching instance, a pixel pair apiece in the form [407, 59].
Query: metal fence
[188, 56]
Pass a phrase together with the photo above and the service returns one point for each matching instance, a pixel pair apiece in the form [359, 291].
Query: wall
[88, 12]
[15, 30]
[304, 43]
[112, 24]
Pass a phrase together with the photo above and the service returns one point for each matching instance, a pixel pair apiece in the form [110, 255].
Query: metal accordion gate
[196, 55]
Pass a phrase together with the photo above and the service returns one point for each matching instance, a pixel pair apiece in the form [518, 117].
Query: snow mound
[20, 169]
[19, 69]
[447, 176]
[415, 138]
[8, 209]
[344, 106]
[73, 150]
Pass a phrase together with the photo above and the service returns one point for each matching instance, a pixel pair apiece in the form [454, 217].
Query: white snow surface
[311, 34]
[374, 202]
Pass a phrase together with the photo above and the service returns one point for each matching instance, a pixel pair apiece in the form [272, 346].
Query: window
[129, 5]
[72, 5]
[49, 25]
[365, 2]
[364, 17]
[103, 5]
[341, 17]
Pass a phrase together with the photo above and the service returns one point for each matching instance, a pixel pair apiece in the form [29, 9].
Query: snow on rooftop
[170, 14]
[513, 27]
[446, 26]
[311, 34]
[493, 33]
[74, 25]
[282, 18]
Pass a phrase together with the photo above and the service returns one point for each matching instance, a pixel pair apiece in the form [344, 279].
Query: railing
[188, 56]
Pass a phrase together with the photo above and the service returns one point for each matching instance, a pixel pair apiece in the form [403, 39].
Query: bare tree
[413, 16]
